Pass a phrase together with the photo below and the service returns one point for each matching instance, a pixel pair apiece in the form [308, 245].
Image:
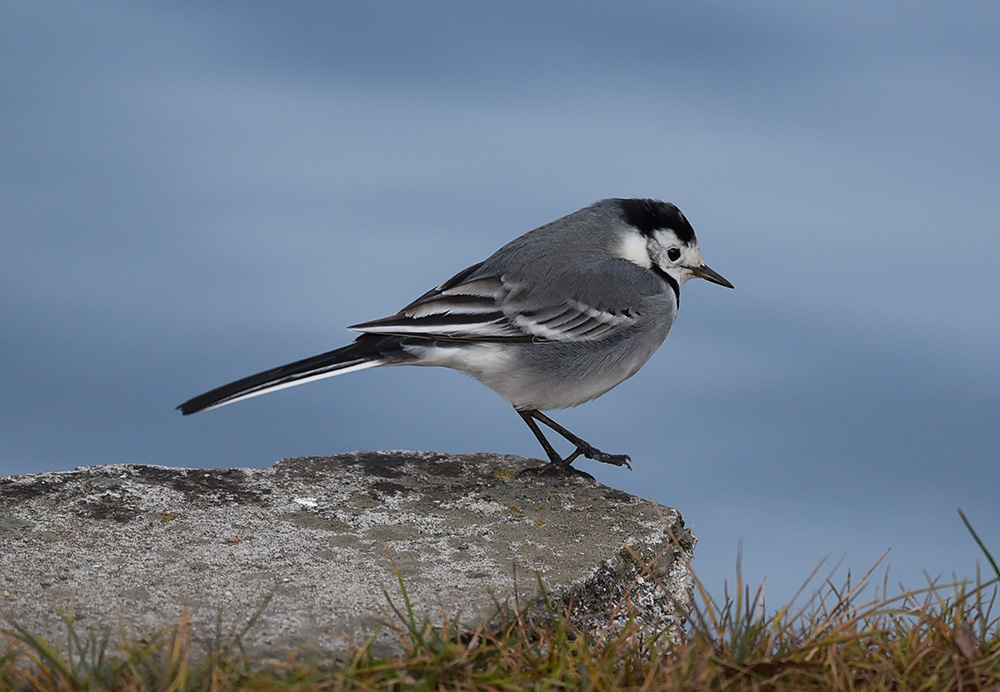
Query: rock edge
[309, 548]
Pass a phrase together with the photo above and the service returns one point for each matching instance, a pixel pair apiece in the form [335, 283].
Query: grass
[940, 637]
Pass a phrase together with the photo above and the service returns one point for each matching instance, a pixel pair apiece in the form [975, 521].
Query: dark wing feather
[487, 307]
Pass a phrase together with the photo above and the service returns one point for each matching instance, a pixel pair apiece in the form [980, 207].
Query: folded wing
[472, 306]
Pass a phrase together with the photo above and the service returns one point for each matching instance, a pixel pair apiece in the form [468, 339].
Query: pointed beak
[704, 272]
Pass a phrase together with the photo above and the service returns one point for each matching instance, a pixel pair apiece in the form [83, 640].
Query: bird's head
[659, 237]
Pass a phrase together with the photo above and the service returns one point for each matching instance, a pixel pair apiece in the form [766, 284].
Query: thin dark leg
[582, 447]
[550, 451]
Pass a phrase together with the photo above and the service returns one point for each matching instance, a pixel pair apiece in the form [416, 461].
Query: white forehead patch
[633, 248]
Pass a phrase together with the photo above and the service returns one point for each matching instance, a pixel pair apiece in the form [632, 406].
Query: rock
[309, 549]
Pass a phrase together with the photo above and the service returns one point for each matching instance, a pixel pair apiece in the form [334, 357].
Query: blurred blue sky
[191, 192]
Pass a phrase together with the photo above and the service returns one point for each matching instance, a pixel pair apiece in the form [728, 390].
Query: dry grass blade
[979, 542]
[940, 637]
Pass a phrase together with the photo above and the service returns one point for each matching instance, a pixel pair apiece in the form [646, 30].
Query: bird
[553, 319]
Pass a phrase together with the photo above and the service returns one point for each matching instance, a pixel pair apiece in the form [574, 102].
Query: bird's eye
[673, 254]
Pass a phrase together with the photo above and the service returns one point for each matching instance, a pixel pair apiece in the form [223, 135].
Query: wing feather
[490, 307]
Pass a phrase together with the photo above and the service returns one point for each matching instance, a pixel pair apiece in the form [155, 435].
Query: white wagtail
[553, 319]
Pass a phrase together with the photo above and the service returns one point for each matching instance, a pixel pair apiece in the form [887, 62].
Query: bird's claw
[559, 467]
[604, 457]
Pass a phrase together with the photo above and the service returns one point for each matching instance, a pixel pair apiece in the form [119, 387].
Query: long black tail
[367, 351]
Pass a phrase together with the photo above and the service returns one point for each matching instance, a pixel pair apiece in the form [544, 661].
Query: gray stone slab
[312, 545]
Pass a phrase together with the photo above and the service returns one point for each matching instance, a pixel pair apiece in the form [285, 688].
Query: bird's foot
[564, 467]
[597, 455]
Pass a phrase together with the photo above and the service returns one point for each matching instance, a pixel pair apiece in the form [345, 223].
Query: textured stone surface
[310, 543]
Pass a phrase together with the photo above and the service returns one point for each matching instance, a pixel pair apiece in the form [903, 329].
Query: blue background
[191, 192]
